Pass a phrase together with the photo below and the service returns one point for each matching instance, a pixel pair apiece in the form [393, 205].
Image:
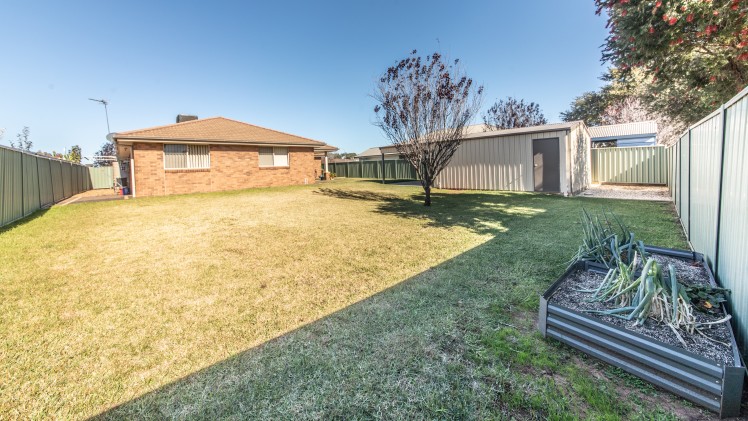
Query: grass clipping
[653, 294]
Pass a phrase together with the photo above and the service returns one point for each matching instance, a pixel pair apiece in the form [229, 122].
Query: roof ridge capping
[184, 123]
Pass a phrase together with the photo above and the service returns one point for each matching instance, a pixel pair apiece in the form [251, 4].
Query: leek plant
[606, 240]
[653, 294]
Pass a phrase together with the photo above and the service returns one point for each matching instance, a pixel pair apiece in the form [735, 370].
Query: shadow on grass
[412, 350]
[482, 213]
[403, 181]
[400, 353]
[25, 220]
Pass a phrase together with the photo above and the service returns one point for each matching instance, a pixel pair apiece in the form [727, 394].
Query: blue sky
[303, 67]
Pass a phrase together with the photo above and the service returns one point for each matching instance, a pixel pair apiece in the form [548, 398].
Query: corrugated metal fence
[709, 185]
[635, 165]
[102, 177]
[29, 182]
[394, 169]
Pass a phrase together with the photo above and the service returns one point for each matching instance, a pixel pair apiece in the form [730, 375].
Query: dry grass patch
[380, 306]
[103, 302]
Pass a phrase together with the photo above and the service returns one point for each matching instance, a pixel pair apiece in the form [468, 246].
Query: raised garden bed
[702, 371]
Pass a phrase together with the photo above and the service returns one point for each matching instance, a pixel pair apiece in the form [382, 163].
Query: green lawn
[346, 299]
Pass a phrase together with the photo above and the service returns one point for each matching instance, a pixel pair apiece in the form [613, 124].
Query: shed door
[547, 168]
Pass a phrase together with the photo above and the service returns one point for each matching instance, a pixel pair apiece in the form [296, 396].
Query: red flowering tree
[693, 53]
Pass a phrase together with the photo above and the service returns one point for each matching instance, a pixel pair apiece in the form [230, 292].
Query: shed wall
[500, 163]
[580, 147]
[638, 141]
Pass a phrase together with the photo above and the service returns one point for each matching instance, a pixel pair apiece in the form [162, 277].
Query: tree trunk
[427, 190]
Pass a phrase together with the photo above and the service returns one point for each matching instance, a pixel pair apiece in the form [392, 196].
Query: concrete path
[628, 192]
[99, 195]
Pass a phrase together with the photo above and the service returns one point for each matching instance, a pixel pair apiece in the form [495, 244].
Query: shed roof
[217, 130]
[614, 131]
[479, 131]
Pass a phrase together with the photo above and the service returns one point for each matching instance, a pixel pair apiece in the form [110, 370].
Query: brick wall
[231, 168]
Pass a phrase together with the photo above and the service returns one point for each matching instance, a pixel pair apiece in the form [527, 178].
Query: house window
[186, 157]
[273, 157]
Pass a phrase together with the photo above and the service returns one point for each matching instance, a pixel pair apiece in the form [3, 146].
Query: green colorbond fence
[102, 177]
[709, 185]
[394, 169]
[631, 165]
[29, 182]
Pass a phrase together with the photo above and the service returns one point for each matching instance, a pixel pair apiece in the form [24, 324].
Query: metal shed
[641, 133]
[550, 158]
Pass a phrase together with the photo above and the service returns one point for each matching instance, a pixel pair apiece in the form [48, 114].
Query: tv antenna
[106, 111]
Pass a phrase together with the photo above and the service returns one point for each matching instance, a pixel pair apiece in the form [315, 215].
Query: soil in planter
[567, 295]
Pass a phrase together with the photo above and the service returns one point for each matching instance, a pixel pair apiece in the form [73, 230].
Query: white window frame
[188, 154]
[275, 153]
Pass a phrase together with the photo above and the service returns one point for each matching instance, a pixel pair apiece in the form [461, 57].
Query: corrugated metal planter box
[708, 383]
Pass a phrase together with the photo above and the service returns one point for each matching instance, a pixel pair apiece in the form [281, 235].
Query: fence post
[680, 176]
[51, 183]
[690, 191]
[382, 167]
[38, 181]
[723, 126]
[23, 187]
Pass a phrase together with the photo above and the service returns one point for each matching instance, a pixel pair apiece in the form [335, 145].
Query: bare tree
[424, 107]
[512, 114]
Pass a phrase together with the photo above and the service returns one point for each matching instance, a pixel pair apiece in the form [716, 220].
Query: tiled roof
[326, 148]
[625, 129]
[218, 130]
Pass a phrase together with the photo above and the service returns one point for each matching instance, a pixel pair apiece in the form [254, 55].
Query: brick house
[214, 154]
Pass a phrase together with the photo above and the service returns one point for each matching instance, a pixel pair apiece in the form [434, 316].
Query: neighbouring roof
[370, 152]
[615, 131]
[218, 130]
